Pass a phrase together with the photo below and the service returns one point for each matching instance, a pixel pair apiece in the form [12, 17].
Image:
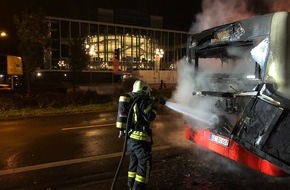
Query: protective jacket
[144, 112]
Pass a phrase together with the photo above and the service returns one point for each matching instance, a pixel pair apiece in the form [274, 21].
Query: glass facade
[136, 45]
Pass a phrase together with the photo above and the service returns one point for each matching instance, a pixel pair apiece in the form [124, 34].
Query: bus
[240, 85]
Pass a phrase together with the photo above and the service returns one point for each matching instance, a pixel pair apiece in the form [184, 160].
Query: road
[83, 151]
[50, 151]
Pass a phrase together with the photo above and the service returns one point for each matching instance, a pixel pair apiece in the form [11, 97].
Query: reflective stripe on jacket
[144, 112]
[141, 136]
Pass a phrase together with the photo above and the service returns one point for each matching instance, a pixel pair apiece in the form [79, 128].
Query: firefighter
[140, 136]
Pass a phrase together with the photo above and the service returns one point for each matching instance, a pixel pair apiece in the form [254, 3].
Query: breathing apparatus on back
[125, 102]
[140, 88]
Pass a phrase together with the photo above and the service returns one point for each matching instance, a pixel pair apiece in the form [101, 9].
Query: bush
[13, 100]
[51, 99]
[7, 102]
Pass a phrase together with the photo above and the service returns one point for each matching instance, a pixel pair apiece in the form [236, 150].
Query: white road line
[68, 162]
[87, 127]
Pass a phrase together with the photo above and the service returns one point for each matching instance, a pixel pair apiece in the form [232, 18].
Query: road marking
[69, 162]
[87, 127]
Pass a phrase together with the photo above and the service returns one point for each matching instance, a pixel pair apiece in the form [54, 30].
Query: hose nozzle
[162, 100]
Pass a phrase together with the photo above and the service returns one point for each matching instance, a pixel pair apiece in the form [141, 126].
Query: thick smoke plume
[219, 12]
[215, 13]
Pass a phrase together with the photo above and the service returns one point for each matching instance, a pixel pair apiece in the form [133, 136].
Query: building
[150, 53]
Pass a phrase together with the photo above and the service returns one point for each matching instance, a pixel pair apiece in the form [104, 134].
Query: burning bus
[242, 73]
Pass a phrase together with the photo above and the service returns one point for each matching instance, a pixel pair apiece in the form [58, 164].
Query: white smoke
[214, 13]
[219, 12]
[185, 87]
[189, 82]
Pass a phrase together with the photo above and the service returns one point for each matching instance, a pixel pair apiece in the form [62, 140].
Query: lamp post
[158, 55]
[3, 34]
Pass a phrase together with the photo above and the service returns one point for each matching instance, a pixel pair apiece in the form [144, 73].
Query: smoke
[194, 108]
[215, 13]
[208, 111]
[185, 78]
[219, 12]
[188, 82]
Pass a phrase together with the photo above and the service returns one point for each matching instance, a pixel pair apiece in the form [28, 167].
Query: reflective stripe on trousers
[131, 174]
[140, 163]
[144, 179]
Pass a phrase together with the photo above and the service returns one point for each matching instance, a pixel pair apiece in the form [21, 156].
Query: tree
[34, 36]
[79, 59]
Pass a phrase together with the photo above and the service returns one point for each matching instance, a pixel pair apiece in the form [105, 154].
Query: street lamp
[158, 55]
[3, 34]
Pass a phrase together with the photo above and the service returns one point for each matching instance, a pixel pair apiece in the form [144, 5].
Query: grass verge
[37, 112]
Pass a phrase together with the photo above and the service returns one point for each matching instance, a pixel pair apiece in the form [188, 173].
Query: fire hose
[129, 118]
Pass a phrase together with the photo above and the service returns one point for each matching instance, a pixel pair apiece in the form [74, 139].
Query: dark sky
[176, 15]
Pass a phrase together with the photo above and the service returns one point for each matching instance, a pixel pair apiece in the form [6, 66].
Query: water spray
[208, 118]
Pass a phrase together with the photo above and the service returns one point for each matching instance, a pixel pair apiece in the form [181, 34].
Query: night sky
[176, 15]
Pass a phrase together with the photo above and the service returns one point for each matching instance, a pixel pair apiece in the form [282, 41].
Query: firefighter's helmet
[141, 87]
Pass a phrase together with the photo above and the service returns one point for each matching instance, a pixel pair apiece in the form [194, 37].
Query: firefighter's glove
[122, 133]
[162, 100]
